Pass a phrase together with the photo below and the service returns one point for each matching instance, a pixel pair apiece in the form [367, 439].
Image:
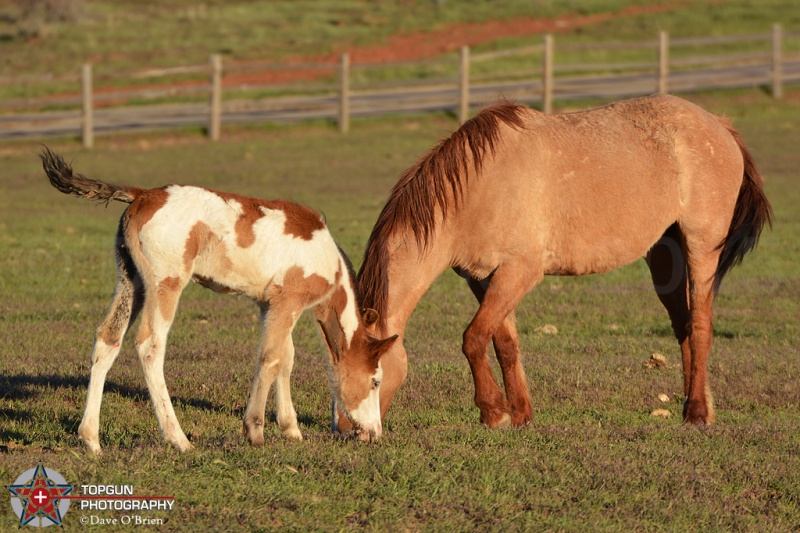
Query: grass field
[593, 458]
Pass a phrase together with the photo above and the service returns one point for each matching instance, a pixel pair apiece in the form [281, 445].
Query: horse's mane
[434, 183]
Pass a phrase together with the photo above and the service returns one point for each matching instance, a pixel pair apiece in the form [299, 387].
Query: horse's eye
[376, 383]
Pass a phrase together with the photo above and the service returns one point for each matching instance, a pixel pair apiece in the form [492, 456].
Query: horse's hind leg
[509, 283]
[125, 307]
[702, 260]
[160, 304]
[667, 262]
[506, 347]
[683, 275]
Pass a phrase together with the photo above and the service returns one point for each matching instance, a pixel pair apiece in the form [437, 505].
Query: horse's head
[356, 371]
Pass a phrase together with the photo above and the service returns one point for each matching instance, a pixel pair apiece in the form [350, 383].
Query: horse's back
[594, 190]
[233, 242]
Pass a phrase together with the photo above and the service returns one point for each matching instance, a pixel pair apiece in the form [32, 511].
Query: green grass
[593, 458]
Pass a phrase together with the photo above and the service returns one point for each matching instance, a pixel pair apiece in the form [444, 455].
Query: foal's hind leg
[667, 262]
[277, 331]
[125, 306]
[506, 347]
[509, 283]
[161, 301]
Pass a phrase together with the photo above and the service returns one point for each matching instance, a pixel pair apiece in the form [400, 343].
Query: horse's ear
[379, 347]
[333, 333]
[369, 316]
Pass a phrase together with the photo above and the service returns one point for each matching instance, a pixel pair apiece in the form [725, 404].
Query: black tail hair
[751, 213]
[60, 174]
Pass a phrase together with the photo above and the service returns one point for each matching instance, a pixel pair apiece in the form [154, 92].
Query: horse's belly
[594, 256]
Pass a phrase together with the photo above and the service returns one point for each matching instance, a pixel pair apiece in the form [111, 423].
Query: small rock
[661, 412]
[656, 361]
[663, 397]
[547, 329]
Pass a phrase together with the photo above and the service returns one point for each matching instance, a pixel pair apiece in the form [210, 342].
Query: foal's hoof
[182, 445]
[253, 431]
[94, 447]
[255, 440]
[293, 434]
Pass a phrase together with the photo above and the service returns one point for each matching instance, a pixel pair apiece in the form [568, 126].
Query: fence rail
[236, 93]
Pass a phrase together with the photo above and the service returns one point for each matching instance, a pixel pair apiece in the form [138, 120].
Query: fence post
[547, 75]
[777, 61]
[463, 100]
[663, 62]
[215, 117]
[344, 94]
[87, 122]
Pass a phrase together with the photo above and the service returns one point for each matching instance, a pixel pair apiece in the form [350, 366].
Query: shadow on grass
[666, 331]
[28, 387]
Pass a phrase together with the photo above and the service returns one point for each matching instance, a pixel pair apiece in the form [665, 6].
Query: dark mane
[434, 183]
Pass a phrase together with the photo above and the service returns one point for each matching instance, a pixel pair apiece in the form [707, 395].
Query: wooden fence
[213, 94]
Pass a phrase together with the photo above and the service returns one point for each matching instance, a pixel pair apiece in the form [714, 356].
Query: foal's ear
[333, 333]
[369, 316]
[379, 347]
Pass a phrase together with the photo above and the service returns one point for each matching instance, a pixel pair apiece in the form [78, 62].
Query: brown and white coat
[278, 253]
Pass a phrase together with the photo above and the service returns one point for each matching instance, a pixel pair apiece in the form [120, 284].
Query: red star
[40, 497]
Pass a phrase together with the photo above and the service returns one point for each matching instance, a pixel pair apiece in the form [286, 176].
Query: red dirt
[405, 47]
[425, 45]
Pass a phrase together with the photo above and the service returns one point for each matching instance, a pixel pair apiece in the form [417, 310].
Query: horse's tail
[751, 212]
[60, 174]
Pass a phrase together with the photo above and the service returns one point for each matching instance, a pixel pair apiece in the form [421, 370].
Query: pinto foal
[278, 253]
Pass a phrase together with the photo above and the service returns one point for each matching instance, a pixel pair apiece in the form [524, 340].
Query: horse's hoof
[503, 422]
[183, 445]
[521, 420]
[94, 448]
[697, 415]
[293, 433]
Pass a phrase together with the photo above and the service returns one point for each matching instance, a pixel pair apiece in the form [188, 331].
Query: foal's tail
[61, 177]
[751, 212]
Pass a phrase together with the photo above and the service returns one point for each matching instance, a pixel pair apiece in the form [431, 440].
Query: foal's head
[356, 372]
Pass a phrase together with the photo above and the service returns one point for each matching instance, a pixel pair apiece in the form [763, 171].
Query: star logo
[38, 493]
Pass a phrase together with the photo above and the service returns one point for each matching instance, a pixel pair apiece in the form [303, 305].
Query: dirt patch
[426, 45]
[410, 47]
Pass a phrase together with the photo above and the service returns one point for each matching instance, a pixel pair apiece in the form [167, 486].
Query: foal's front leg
[286, 415]
[277, 331]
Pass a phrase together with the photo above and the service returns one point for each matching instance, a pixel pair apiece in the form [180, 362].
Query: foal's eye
[376, 383]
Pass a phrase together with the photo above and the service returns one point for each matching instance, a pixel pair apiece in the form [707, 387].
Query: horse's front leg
[506, 347]
[285, 413]
[509, 283]
[277, 330]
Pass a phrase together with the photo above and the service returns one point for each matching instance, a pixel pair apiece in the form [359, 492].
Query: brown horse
[515, 194]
